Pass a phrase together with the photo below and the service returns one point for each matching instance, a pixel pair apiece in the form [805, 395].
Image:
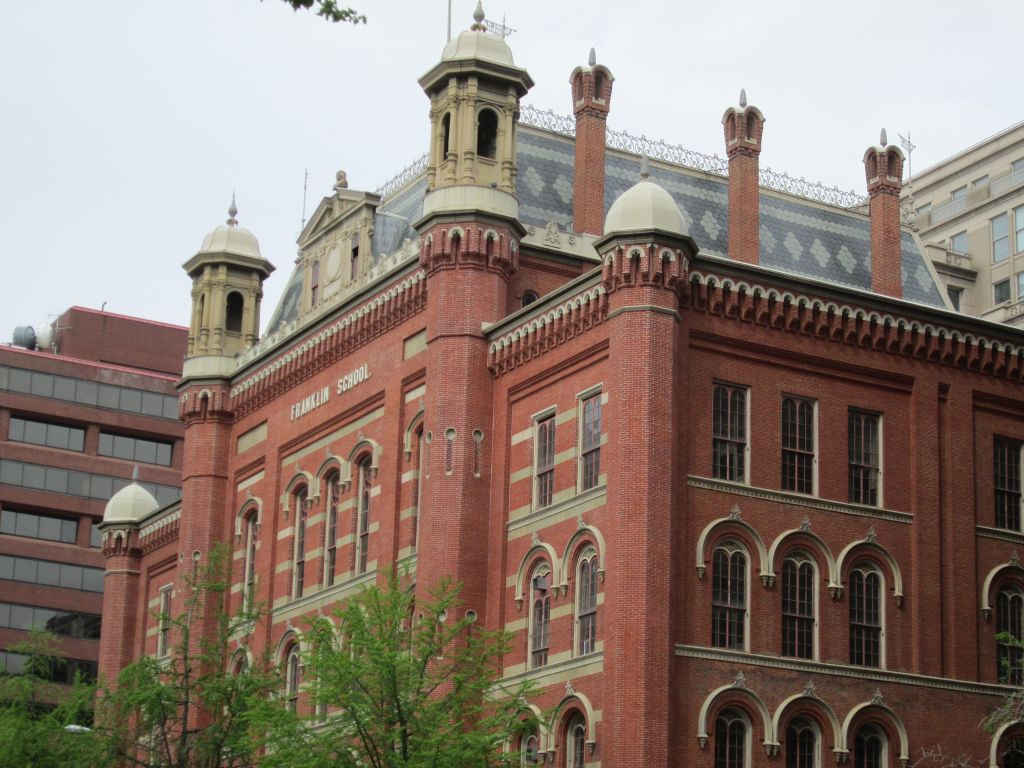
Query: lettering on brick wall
[349, 380]
[310, 403]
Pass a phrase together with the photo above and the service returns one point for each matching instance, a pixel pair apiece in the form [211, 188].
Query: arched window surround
[538, 636]
[876, 713]
[736, 528]
[585, 602]
[870, 550]
[809, 706]
[737, 696]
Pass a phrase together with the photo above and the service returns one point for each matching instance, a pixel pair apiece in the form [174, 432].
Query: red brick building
[719, 455]
[78, 413]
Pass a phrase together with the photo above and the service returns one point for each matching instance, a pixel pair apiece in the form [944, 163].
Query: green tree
[329, 10]
[43, 724]
[204, 705]
[396, 684]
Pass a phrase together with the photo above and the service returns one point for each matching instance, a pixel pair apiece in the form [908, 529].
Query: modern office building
[91, 400]
[969, 210]
[743, 487]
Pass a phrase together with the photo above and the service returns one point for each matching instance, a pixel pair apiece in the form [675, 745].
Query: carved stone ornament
[877, 697]
[739, 681]
[702, 740]
[569, 690]
[534, 538]
[809, 690]
[872, 535]
[1015, 559]
[552, 235]
[805, 525]
[700, 571]
[734, 513]
[579, 521]
[771, 748]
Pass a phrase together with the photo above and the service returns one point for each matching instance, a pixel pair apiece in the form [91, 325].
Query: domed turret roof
[231, 238]
[645, 206]
[478, 43]
[130, 505]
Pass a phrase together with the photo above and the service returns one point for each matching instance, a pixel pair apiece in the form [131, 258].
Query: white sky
[125, 125]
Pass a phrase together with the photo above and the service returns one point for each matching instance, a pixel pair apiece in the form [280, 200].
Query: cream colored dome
[484, 46]
[645, 206]
[130, 505]
[229, 239]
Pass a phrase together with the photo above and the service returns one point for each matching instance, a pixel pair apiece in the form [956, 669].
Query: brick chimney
[591, 99]
[883, 166]
[743, 128]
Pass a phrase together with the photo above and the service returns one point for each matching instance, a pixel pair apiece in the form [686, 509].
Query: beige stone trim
[236, 588]
[405, 514]
[841, 670]
[414, 394]
[523, 522]
[250, 481]
[252, 437]
[283, 567]
[409, 476]
[314, 553]
[284, 533]
[999, 534]
[341, 590]
[799, 500]
[519, 437]
[555, 673]
[314, 519]
[323, 442]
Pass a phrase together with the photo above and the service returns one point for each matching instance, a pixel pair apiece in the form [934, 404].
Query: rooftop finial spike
[592, 61]
[478, 18]
[883, 139]
[135, 473]
[645, 166]
[232, 211]
[743, 98]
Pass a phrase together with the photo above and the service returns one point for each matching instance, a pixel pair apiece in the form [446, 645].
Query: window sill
[593, 497]
[322, 597]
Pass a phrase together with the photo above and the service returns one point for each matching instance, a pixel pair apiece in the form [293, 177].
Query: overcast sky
[125, 125]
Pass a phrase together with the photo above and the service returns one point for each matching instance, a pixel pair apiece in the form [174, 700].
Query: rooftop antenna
[909, 148]
[305, 184]
[499, 29]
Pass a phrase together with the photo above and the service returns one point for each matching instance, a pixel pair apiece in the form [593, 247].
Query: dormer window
[355, 258]
[487, 134]
[314, 283]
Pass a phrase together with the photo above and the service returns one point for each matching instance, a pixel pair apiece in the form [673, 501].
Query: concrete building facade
[743, 487]
[76, 417]
[970, 213]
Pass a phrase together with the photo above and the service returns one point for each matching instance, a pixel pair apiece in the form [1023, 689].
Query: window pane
[123, 447]
[86, 392]
[145, 451]
[28, 525]
[10, 472]
[92, 579]
[34, 476]
[35, 432]
[56, 480]
[16, 430]
[8, 521]
[20, 380]
[78, 483]
[63, 388]
[24, 569]
[49, 528]
[131, 400]
[68, 531]
[109, 397]
[71, 576]
[6, 567]
[1001, 291]
[958, 242]
[21, 617]
[42, 384]
[152, 404]
[171, 408]
[163, 454]
[50, 573]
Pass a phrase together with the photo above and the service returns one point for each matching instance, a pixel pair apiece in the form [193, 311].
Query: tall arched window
[249, 575]
[233, 312]
[729, 597]
[331, 529]
[1009, 618]
[865, 615]
[732, 737]
[487, 134]
[417, 463]
[576, 742]
[314, 283]
[446, 132]
[530, 752]
[301, 511]
[1013, 753]
[801, 744]
[540, 615]
[869, 748]
[798, 601]
[365, 471]
[586, 601]
[292, 676]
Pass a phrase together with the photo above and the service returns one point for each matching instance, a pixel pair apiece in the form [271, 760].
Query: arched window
[292, 676]
[239, 664]
[869, 748]
[249, 575]
[487, 134]
[233, 312]
[729, 597]
[417, 463]
[801, 744]
[1013, 753]
[301, 511]
[1009, 634]
[529, 297]
[314, 283]
[530, 753]
[586, 602]
[576, 742]
[865, 615]
[331, 529]
[751, 126]
[540, 615]
[798, 601]
[446, 131]
[732, 740]
[365, 471]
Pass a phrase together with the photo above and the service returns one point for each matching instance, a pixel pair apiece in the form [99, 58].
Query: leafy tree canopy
[329, 10]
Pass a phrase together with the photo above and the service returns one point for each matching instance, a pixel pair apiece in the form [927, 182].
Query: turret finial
[645, 166]
[743, 98]
[883, 139]
[592, 61]
[478, 18]
[232, 212]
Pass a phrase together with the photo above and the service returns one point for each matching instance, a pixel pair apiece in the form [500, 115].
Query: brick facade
[494, 494]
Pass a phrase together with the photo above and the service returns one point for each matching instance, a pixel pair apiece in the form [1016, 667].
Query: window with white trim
[576, 742]
[590, 441]
[530, 752]
[331, 529]
[544, 461]
[798, 603]
[1006, 480]
[798, 444]
[729, 432]
[729, 596]
[1000, 237]
[865, 591]
[292, 676]
[586, 602]
[249, 573]
[865, 457]
[540, 615]
[299, 568]
[362, 552]
[163, 634]
[869, 747]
